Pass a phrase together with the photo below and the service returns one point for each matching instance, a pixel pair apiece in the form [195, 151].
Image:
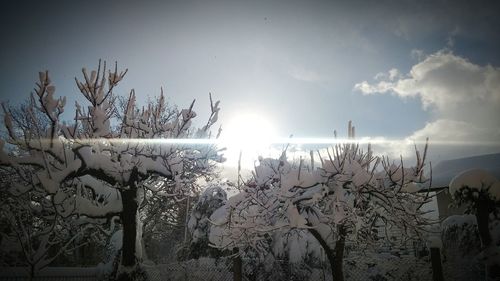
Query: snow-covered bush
[111, 257]
[213, 197]
[461, 246]
[349, 195]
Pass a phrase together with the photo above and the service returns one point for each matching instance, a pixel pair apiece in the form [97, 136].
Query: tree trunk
[482, 217]
[338, 266]
[129, 268]
[129, 221]
[326, 248]
[32, 272]
[336, 258]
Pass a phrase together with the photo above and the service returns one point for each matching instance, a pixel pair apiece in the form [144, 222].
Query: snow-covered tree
[213, 197]
[351, 194]
[34, 233]
[164, 225]
[479, 190]
[102, 164]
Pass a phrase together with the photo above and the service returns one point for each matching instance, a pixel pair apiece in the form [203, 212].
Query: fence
[49, 274]
[203, 269]
[356, 268]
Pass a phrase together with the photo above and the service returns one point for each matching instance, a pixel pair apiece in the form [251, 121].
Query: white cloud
[457, 132]
[443, 80]
[450, 139]
[463, 97]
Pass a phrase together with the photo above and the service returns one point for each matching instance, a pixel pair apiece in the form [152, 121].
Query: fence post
[437, 267]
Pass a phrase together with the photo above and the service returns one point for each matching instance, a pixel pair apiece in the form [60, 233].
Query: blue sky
[301, 64]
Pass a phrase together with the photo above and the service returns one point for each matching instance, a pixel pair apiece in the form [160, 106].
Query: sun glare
[248, 131]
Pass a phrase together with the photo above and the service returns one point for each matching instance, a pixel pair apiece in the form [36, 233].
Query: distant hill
[444, 171]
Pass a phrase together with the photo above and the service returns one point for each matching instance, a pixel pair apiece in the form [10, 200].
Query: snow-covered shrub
[213, 197]
[107, 268]
[344, 199]
[460, 233]
[461, 246]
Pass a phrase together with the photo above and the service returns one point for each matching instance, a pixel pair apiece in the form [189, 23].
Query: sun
[249, 132]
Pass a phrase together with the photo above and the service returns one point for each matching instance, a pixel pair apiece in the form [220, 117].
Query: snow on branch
[56, 152]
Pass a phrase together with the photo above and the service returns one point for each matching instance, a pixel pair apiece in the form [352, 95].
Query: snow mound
[459, 220]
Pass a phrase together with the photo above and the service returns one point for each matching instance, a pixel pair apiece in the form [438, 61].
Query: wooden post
[437, 267]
